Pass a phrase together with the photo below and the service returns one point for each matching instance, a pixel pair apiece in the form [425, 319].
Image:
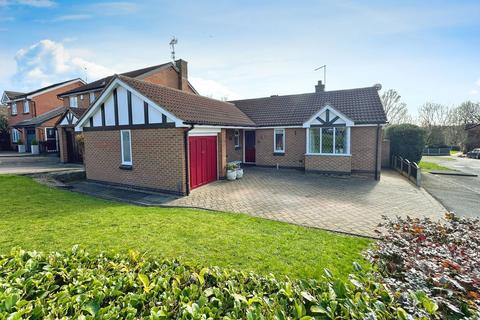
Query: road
[457, 193]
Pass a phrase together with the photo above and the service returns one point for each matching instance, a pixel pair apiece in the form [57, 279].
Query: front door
[203, 160]
[30, 137]
[250, 146]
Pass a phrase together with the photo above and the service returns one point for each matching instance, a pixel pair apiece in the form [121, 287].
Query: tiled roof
[45, 88]
[189, 107]
[101, 83]
[362, 105]
[78, 112]
[41, 118]
[13, 94]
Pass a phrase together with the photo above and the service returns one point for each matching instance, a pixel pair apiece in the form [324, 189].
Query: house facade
[33, 115]
[77, 100]
[473, 136]
[147, 135]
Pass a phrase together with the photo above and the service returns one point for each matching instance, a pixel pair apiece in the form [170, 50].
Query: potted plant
[34, 146]
[239, 172]
[21, 146]
[231, 171]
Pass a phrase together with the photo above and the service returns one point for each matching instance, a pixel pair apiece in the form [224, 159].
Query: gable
[68, 119]
[121, 105]
[328, 117]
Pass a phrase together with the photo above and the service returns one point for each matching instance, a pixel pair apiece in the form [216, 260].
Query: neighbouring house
[33, 115]
[4, 135]
[147, 135]
[473, 137]
[76, 101]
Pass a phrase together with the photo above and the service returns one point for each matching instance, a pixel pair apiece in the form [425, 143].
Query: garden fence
[407, 168]
[436, 151]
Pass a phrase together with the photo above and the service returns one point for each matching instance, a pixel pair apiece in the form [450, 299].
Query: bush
[440, 259]
[76, 284]
[406, 141]
[34, 142]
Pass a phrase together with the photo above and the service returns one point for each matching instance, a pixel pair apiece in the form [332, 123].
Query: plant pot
[231, 175]
[35, 149]
[21, 148]
[239, 173]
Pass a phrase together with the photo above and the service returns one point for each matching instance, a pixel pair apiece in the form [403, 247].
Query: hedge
[105, 286]
[406, 141]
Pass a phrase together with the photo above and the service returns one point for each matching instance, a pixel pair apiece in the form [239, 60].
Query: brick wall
[157, 154]
[294, 148]
[222, 153]
[234, 154]
[49, 100]
[385, 153]
[20, 116]
[62, 144]
[81, 103]
[363, 149]
[328, 164]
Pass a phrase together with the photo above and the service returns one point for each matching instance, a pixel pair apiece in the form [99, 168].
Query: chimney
[183, 74]
[320, 87]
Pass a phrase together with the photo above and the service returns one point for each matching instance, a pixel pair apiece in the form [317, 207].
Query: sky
[426, 50]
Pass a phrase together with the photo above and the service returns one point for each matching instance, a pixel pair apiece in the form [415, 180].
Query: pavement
[15, 163]
[460, 194]
[350, 205]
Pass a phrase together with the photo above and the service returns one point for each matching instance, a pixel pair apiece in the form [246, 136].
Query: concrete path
[14, 163]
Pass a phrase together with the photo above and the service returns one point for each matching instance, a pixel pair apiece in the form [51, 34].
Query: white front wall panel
[109, 111]
[154, 116]
[97, 119]
[138, 116]
[65, 121]
[122, 106]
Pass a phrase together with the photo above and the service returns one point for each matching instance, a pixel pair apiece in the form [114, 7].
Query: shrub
[20, 142]
[406, 141]
[440, 259]
[76, 284]
[34, 142]
[231, 166]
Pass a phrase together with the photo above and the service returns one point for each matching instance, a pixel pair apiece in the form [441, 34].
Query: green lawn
[33, 216]
[431, 166]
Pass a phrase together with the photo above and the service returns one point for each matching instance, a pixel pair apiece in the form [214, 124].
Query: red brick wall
[234, 154]
[81, 103]
[323, 163]
[363, 149]
[158, 158]
[294, 148]
[49, 100]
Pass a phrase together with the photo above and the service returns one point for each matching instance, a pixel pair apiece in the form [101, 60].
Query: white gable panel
[97, 119]
[122, 106]
[64, 122]
[138, 116]
[154, 116]
[109, 111]
[332, 114]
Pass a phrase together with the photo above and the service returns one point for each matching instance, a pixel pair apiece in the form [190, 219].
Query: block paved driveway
[347, 204]
[15, 163]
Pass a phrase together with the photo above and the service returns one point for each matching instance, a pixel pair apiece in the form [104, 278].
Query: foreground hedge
[79, 285]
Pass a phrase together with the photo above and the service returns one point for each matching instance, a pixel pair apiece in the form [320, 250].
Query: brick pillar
[62, 144]
[222, 154]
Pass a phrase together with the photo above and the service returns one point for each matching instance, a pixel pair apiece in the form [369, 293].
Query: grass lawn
[33, 216]
[431, 166]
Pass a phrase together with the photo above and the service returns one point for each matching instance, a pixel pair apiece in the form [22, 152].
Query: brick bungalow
[77, 101]
[147, 135]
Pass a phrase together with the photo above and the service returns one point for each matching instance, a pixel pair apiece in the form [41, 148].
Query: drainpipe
[185, 142]
[376, 152]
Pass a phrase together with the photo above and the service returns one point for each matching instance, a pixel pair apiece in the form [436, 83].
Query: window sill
[126, 167]
[279, 153]
[238, 148]
[26, 112]
[328, 154]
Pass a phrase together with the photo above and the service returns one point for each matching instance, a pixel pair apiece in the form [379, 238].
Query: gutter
[185, 142]
[377, 176]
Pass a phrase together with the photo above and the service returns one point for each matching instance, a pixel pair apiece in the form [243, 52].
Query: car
[474, 154]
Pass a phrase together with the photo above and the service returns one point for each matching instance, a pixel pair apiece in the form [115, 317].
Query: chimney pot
[320, 87]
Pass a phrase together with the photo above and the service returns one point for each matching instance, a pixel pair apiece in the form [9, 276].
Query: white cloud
[72, 17]
[47, 62]
[478, 82]
[115, 8]
[474, 92]
[213, 89]
[30, 3]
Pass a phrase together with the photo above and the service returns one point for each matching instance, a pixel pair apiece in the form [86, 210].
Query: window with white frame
[92, 97]
[26, 106]
[328, 140]
[279, 140]
[236, 138]
[126, 141]
[73, 102]
[14, 109]
[15, 135]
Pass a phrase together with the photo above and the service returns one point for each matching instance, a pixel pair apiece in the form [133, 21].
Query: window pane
[327, 140]
[127, 157]
[279, 140]
[340, 140]
[314, 140]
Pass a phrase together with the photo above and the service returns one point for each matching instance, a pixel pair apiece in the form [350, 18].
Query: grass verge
[431, 166]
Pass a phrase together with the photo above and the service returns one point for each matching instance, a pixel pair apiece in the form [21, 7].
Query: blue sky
[427, 50]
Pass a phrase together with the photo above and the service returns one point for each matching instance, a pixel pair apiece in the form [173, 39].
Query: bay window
[328, 140]
[279, 140]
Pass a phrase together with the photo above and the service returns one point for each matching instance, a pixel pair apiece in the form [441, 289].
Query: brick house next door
[203, 160]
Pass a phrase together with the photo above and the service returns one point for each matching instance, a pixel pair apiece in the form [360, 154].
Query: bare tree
[468, 112]
[395, 109]
[433, 114]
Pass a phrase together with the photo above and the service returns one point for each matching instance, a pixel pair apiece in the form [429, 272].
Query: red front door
[203, 160]
[250, 146]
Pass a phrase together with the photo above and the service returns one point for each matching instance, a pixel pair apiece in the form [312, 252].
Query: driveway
[460, 194]
[352, 204]
[14, 163]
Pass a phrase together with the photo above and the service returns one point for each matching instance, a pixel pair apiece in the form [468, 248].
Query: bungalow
[147, 135]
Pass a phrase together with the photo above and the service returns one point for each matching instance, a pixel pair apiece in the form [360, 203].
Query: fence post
[401, 164]
[419, 176]
[409, 170]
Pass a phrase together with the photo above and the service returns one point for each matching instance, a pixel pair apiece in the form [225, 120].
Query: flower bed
[422, 258]
[76, 284]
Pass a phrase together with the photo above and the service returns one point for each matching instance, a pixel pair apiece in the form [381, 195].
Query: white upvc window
[328, 140]
[92, 97]
[73, 102]
[279, 140]
[236, 138]
[126, 145]
[15, 135]
[26, 106]
[14, 108]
